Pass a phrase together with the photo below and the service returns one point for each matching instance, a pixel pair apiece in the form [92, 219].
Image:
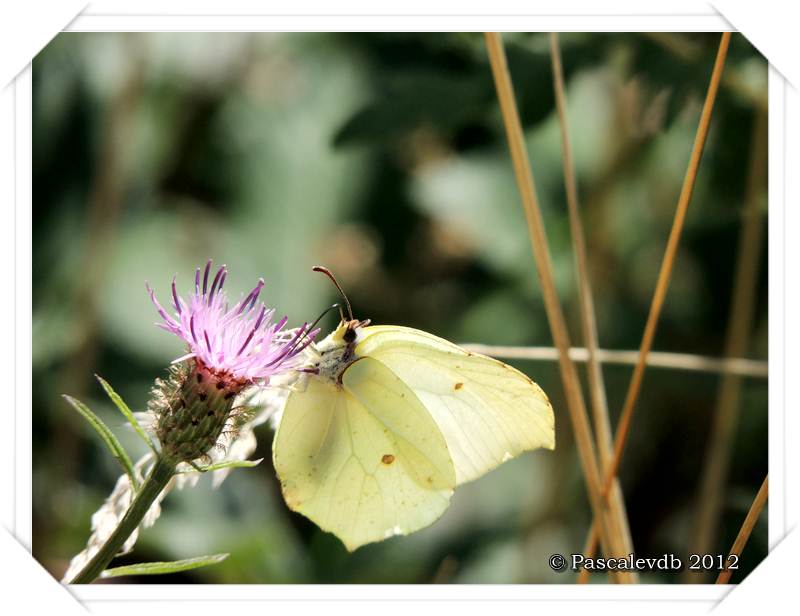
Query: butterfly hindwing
[363, 460]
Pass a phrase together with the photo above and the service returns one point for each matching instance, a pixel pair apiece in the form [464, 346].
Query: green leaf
[159, 568]
[228, 464]
[419, 97]
[108, 437]
[125, 410]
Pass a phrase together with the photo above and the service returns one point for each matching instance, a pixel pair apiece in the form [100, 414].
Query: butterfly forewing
[487, 411]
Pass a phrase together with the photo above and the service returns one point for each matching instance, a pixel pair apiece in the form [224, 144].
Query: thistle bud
[192, 408]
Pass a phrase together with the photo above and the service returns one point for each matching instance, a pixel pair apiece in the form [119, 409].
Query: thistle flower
[228, 350]
[199, 413]
[240, 344]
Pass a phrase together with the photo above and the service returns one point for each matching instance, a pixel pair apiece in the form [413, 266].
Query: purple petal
[205, 276]
[214, 284]
[175, 297]
[167, 318]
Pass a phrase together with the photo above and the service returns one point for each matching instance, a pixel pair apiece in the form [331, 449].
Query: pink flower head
[241, 341]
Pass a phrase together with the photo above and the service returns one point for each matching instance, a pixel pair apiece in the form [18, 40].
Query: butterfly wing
[364, 460]
[487, 411]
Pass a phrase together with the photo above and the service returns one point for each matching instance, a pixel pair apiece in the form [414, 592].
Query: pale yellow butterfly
[390, 420]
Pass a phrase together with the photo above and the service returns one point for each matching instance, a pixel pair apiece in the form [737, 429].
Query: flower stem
[156, 481]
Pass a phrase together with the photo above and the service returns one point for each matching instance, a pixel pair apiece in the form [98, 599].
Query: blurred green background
[383, 157]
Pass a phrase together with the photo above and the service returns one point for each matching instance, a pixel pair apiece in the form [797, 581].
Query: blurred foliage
[383, 157]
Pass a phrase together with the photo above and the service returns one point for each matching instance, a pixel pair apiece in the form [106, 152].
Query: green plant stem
[156, 481]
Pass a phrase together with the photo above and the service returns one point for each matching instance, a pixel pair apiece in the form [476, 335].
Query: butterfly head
[347, 331]
[337, 351]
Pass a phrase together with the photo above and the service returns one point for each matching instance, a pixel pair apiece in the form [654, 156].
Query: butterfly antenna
[329, 274]
[302, 338]
[326, 311]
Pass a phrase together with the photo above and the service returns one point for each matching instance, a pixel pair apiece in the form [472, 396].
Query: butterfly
[390, 420]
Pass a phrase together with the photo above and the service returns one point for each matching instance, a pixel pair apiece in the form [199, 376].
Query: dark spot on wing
[458, 386]
[387, 459]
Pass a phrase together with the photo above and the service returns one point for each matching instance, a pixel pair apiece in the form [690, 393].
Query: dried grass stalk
[609, 540]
